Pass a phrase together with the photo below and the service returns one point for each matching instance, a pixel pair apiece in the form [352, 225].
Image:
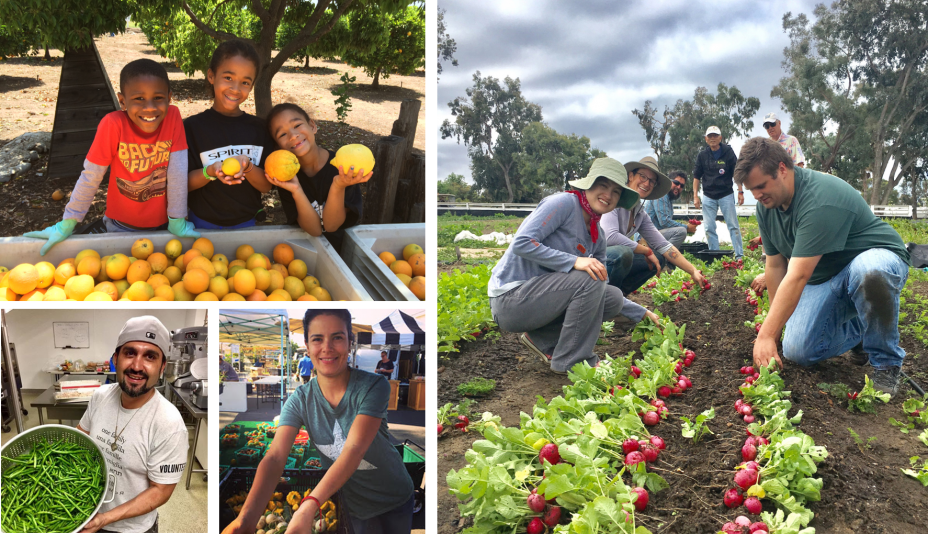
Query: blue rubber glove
[55, 234]
[182, 228]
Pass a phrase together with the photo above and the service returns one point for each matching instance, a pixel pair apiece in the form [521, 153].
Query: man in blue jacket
[715, 166]
[661, 212]
[305, 368]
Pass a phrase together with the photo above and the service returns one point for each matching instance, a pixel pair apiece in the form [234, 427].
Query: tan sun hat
[662, 187]
[612, 170]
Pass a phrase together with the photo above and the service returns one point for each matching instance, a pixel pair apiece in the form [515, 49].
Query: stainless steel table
[70, 411]
[186, 398]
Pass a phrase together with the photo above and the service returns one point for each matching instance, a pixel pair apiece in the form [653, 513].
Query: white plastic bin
[362, 246]
[321, 259]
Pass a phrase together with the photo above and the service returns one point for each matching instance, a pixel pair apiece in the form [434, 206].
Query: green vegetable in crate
[52, 488]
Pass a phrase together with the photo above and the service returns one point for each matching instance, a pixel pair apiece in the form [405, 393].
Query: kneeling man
[834, 270]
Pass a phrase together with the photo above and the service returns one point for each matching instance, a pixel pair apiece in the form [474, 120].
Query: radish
[757, 328]
[658, 442]
[751, 440]
[440, 428]
[676, 391]
[689, 354]
[636, 371]
[761, 441]
[650, 452]
[688, 383]
[634, 458]
[642, 501]
[707, 285]
[553, 516]
[658, 403]
[678, 368]
[742, 521]
[746, 478]
[748, 419]
[749, 370]
[753, 505]
[749, 380]
[677, 299]
[757, 526]
[536, 503]
[732, 498]
[687, 362]
[651, 418]
[738, 404]
[682, 385]
[751, 465]
[535, 526]
[748, 452]
[674, 292]
[756, 375]
[629, 445]
[462, 423]
[663, 391]
[746, 409]
[549, 453]
[732, 528]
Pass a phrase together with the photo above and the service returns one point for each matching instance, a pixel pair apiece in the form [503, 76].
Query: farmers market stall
[258, 328]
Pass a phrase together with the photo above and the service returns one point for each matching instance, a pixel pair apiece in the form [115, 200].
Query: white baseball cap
[771, 118]
[146, 328]
[713, 130]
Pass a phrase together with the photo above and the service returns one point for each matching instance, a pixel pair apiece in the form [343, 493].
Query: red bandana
[594, 218]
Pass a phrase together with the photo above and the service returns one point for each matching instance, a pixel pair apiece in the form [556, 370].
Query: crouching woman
[552, 283]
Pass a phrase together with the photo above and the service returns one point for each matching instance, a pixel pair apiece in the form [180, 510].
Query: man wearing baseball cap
[142, 434]
[790, 143]
[715, 166]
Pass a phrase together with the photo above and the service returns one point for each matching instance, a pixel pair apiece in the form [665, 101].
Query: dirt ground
[864, 490]
[29, 89]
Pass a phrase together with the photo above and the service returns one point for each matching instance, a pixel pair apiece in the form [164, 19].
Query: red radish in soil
[636, 371]
[753, 505]
[687, 362]
[748, 419]
[757, 328]
[678, 368]
[738, 404]
[535, 526]
[440, 428]
[642, 501]
[658, 442]
[707, 285]
[674, 292]
[761, 441]
[682, 385]
[651, 418]
[751, 440]
[663, 391]
[756, 375]
[629, 445]
[750, 370]
[751, 465]
[633, 458]
[732, 528]
[749, 380]
[553, 516]
[536, 503]
[746, 409]
[689, 354]
[650, 452]
[757, 526]
[742, 521]
[549, 452]
[687, 380]
[462, 423]
[676, 391]
[748, 452]
[733, 499]
[677, 299]
[746, 478]
[658, 403]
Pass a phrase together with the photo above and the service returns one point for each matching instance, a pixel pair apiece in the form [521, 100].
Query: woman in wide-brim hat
[551, 282]
[629, 263]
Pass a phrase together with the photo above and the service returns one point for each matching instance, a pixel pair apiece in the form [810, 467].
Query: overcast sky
[589, 64]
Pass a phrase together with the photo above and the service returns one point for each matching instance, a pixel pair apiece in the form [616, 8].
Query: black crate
[693, 248]
[709, 256]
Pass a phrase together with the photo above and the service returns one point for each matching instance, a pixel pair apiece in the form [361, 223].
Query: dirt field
[29, 88]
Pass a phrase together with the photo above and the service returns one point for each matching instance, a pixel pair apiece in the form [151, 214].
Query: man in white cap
[715, 166]
[141, 433]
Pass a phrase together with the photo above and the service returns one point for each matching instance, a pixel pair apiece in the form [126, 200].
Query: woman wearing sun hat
[630, 264]
[551, 282]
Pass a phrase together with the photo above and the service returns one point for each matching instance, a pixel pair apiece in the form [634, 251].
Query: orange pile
[410, 270]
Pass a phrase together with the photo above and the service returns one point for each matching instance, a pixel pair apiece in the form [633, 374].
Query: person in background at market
[660, 211]
[344, 411]
[226, 368]
[305, 368]
[630, 264]
[384, 366]
[791, 144]
[715, 165]
[551, 281]
[141, 433]
[835, 270]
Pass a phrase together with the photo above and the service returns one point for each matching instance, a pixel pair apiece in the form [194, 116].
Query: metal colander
[24, 442]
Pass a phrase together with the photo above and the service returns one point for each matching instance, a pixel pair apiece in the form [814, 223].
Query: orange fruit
[140, 292]
[89, 265]
[121, 286]
[158, 280]
[159, 262]
[277, 280]
[307, 297]
[220, 257]
[279, 294]
[282, 269]
[36, 295]
[46, 273]
[103, 277]
[23, 278]
[180, 293]
[55, 293]
[206, 295]
[257, 260]
[117, 266]
[387, 257]
[283, 254]
[221, 269]
[78, 287]
[98, 296]
[244, 282]
[196, 281]
[403, 278]
[411, 249]
[83, 254]
[218, 286]
[173, 249]
[282, 165]
[320, 294]
[142, 248]
[262, 278]
[256, 295]
[139, 271]
[310, 283]
[202, 263]
[7, 295]
[205, 246]
[417, 286]
[417, 262]
[297, 268]
[401, 267]
[179, 262]
[240, 263]
[164, 293]
[68, 260]
[234, 269]
[294, 287]
[109, 288]
[189, 255]
[243, 252]
[233, 296]
[173, 274]
[57, 195]
[231, 166]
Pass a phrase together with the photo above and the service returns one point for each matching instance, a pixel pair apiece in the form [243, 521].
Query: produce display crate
[360, 251]
[322, 261]
[227, 453]
[237, 480]
[248, 456]
[312, 462]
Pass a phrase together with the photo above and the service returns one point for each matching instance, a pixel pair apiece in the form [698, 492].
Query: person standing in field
[661, 212]
[715, 165]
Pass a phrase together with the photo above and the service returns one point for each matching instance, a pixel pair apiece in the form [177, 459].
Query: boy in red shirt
[145, 148]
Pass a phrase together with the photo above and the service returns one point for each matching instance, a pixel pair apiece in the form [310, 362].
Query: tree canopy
[446, 45]
[548, 159]
[63, 24]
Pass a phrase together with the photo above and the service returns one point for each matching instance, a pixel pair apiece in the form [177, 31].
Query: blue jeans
[112, 225]
[861, 303]
[397, 520]
[629, 271]
[710, 208]
[200, 223]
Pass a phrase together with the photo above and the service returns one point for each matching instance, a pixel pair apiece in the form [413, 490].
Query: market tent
[256, 328]
[395, 329]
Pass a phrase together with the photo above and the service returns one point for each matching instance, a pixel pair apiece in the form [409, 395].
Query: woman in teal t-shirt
[344, 411]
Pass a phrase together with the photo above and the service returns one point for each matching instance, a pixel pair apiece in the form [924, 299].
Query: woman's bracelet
[648, 252]
[315, 500]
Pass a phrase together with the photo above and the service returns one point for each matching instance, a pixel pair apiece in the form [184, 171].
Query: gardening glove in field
[55, 234]
[182, 228]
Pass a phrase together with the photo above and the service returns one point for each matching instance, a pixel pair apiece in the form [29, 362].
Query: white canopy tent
[259, 328]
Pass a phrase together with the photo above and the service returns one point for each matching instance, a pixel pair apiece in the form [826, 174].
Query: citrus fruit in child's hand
[231, 166]
[282, 165]
[353, 158]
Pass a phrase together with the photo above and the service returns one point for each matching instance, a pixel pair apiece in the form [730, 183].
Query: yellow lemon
[354, 158]
[231, 166]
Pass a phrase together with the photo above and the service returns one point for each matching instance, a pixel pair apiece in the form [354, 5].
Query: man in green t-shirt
[834, 270]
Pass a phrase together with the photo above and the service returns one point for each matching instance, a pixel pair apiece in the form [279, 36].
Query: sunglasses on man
[678, 184]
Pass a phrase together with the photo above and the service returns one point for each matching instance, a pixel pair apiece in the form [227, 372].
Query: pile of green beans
[52, 488]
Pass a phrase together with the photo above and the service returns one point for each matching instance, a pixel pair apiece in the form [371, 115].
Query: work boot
[887, 380]
[858, 356]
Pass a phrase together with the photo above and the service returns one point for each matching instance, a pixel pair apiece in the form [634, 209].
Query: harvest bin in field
[361, 249]
[321, 259]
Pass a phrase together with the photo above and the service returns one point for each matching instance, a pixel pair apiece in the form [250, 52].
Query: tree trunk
[877, 174]
[508, 185]
[306, 66]
[891, 184]
[376, 83]
[48, 56]
[262, 93]
[914, 195]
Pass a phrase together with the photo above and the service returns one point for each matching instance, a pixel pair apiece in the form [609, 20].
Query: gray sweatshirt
[618, 232]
